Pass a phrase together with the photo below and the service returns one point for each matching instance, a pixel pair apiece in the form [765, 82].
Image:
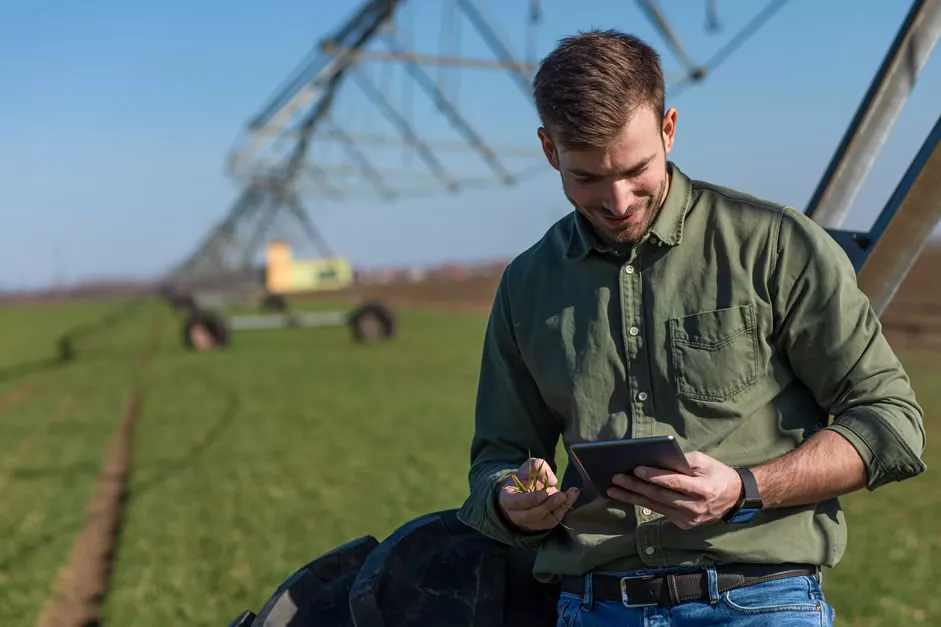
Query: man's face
[619, 189]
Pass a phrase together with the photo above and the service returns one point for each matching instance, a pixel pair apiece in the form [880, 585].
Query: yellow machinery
[369, 322]
[285, 275]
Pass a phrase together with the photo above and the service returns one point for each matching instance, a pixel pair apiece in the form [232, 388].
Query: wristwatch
[749, 503]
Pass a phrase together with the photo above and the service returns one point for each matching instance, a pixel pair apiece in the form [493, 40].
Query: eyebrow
[629, 172]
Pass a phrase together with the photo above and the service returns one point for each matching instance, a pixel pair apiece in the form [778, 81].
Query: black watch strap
[749, 503]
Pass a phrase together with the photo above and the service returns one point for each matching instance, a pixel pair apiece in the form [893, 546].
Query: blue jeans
[792, 601]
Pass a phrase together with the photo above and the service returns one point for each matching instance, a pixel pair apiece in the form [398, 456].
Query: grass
[250, 462]
[52, 443]
[891, 570]
[254, 461]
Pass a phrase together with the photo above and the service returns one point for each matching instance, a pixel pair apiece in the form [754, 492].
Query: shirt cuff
[481, 512]
[886, 455]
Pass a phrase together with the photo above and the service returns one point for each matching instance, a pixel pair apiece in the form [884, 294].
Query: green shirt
[736, 326]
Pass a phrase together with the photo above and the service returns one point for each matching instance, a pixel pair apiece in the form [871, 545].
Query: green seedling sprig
[533, 481]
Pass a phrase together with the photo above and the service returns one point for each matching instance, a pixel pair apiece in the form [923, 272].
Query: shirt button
[645, 512]
[642, 396]
[629, 269]
[634, 331]
[649, 550]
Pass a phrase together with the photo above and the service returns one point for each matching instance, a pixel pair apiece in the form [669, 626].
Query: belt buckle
[624, 599]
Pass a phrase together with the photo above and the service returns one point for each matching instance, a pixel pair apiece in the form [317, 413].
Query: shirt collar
[668, 226]
[669, 223]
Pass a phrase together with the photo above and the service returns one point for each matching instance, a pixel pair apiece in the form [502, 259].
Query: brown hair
[589, 86]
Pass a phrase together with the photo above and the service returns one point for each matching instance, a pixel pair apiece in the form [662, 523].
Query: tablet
[600, 461]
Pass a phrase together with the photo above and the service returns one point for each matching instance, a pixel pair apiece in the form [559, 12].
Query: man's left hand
[686, 500]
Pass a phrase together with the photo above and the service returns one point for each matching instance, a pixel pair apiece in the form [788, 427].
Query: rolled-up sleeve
[835, 345]
[511, 423]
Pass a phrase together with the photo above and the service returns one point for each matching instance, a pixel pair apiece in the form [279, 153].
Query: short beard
[629, 236]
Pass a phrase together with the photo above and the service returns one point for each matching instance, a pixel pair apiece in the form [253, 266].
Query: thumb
[542, 470]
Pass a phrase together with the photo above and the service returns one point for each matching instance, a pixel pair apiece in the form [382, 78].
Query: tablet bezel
[610, 457]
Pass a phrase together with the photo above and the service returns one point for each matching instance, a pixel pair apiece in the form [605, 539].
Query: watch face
[744, 515]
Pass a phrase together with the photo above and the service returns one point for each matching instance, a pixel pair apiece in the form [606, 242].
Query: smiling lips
[622, 220]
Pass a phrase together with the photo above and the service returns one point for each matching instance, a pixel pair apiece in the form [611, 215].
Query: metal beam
[425, 59]
[208, 251]
[654, 13]
[876, 115]
[404, 127]
[357, 155]
[269, 213]
[454, 116]
[304, 89]
[905, 225]
[376, 139]
[319, 175]
[497, 44]
[312, 232]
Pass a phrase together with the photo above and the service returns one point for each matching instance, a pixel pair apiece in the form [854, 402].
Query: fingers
[670, 480]
[554, 516]
[537, 510]
[533, 506]
[677, 517]
[571, 496]
[684, 510]
[539, 468]
[514, 501]
[652, 491]
[530, 498]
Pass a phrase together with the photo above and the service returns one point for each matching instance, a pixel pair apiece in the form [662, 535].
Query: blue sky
[117, 117]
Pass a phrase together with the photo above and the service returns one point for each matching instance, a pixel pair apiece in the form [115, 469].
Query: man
[668, 306]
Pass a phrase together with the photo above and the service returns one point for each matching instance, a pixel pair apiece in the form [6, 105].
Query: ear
[548, 148]
[668, 129]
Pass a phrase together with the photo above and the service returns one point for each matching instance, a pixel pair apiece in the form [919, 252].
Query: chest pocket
[714, 353]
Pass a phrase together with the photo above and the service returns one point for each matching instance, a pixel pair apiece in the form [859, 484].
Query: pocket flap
[713, 329]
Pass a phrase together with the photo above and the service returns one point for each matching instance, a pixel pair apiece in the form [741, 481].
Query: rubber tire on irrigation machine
[207, 328]
[372, 322]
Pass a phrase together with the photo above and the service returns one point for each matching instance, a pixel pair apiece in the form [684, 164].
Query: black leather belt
[672, 589]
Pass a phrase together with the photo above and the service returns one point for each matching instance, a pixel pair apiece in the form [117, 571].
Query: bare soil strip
[80, 590]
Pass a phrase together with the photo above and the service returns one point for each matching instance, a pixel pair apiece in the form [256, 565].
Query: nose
[619, 197]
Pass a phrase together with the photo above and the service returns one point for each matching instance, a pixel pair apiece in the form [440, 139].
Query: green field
[250, 462]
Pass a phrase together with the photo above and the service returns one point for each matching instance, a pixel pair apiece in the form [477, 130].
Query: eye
[633, 174]
[583, 178]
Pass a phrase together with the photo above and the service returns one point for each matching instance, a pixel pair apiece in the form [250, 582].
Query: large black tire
[431, 572]
[205, 330]
[372, 322]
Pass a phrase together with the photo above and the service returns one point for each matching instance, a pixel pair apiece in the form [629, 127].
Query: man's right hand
[541, 509]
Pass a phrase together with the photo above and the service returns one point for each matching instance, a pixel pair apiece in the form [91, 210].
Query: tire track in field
[82, 584]
[65, 343]
[45, 368]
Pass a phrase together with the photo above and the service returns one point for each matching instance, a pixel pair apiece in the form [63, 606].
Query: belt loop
[588, 597]
[712, 584]
[820, 576]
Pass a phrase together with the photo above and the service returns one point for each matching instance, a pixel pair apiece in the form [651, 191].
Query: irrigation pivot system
[348, 125]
